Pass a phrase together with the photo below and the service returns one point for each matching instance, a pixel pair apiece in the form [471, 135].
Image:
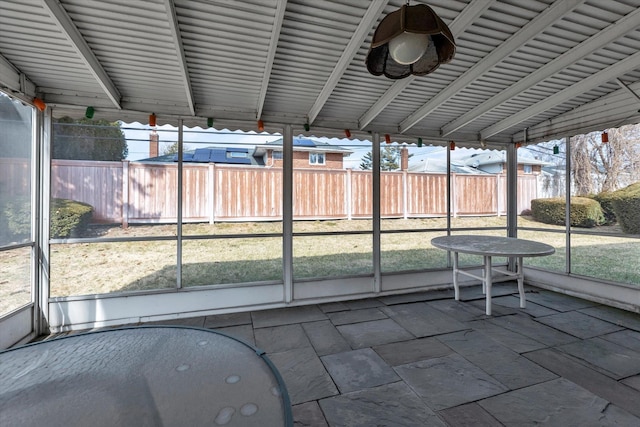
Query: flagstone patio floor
[424, 359]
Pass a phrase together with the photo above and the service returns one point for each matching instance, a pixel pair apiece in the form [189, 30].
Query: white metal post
[375, 170]
[287, 212]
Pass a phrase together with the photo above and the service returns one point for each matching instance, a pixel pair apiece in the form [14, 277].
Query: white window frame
[316, 158]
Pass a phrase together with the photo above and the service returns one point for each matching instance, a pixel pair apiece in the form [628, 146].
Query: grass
[107, 267]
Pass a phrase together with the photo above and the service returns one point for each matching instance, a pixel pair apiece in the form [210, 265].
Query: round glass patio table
[142, 376]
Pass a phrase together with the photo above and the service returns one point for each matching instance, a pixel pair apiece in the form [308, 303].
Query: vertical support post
[512, 191]
[375, 170]
[349, 195]
[211, 193]
[125, 193]
[44, 133]
[287, 212]
[179, 218]
[449, 199]
[567, 213]
[512, 197]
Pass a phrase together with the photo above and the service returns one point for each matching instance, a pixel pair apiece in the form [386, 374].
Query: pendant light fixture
[411, 40]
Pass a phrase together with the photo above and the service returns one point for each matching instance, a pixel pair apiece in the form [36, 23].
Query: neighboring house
[224, 155]
[469, 160]
[307, 153]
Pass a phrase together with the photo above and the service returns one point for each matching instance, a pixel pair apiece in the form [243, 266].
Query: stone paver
[613, 359]
[417, 297]
[615, 316]
[511, 339]
[578, 324]
[556, 403]
[225, 320]
[448, 381]
[359, 304]
[286, 316]
[559, 302]
[376, 332]
[503, 364]
[388, 405]
[355, 316]
[242, 332]
[304, 375]
[325, 338]
[400, 353]
[525, 325]
[308, 414]
[599, 384]
[423, 320]
[469, 415]
[358, 369]
[281, 338]
[626, 338]
[532, 309]
[461, 311]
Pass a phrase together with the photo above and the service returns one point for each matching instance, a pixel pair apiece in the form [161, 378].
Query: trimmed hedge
[68, 217]
[626, 205]
[18, 218]
[606, 203]
[585, 212]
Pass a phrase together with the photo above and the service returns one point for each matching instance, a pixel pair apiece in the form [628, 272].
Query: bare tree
[582, 168]
[605, 166]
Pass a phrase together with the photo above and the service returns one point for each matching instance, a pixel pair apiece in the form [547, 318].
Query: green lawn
[94, 268]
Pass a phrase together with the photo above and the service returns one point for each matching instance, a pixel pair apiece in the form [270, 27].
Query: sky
[137, 136]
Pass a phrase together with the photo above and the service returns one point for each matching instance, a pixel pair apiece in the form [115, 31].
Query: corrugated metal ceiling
[554, 67]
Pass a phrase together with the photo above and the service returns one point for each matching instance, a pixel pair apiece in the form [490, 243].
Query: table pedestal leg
[487, 282]
[520, 271]
[456, 289]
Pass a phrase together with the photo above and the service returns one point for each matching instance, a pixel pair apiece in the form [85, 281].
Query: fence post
[125, 193]
[211, 192]
[405, 195]
[348, 194]
[454, 192]
[497, 190]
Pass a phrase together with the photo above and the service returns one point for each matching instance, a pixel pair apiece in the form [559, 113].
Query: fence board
[361, 194]
[319, 193]
[391, 194]
[247, 193]
[476, 194]
[427, 194]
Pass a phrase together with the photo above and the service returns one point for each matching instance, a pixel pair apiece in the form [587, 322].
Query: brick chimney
[404, 158]
[153, 144]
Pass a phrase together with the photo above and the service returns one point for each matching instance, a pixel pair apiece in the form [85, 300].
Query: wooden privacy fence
[133, 192]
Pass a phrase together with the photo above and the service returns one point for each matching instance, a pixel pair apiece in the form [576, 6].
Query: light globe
[407, 48]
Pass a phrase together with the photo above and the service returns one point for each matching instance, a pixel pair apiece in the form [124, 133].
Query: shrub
[69, 217]
[16, 215]
[606, 203]
[626, 205]
[585, 212]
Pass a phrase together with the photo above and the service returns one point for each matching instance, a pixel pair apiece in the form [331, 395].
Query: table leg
[456, 289]
[487, 282]
[519, 269]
